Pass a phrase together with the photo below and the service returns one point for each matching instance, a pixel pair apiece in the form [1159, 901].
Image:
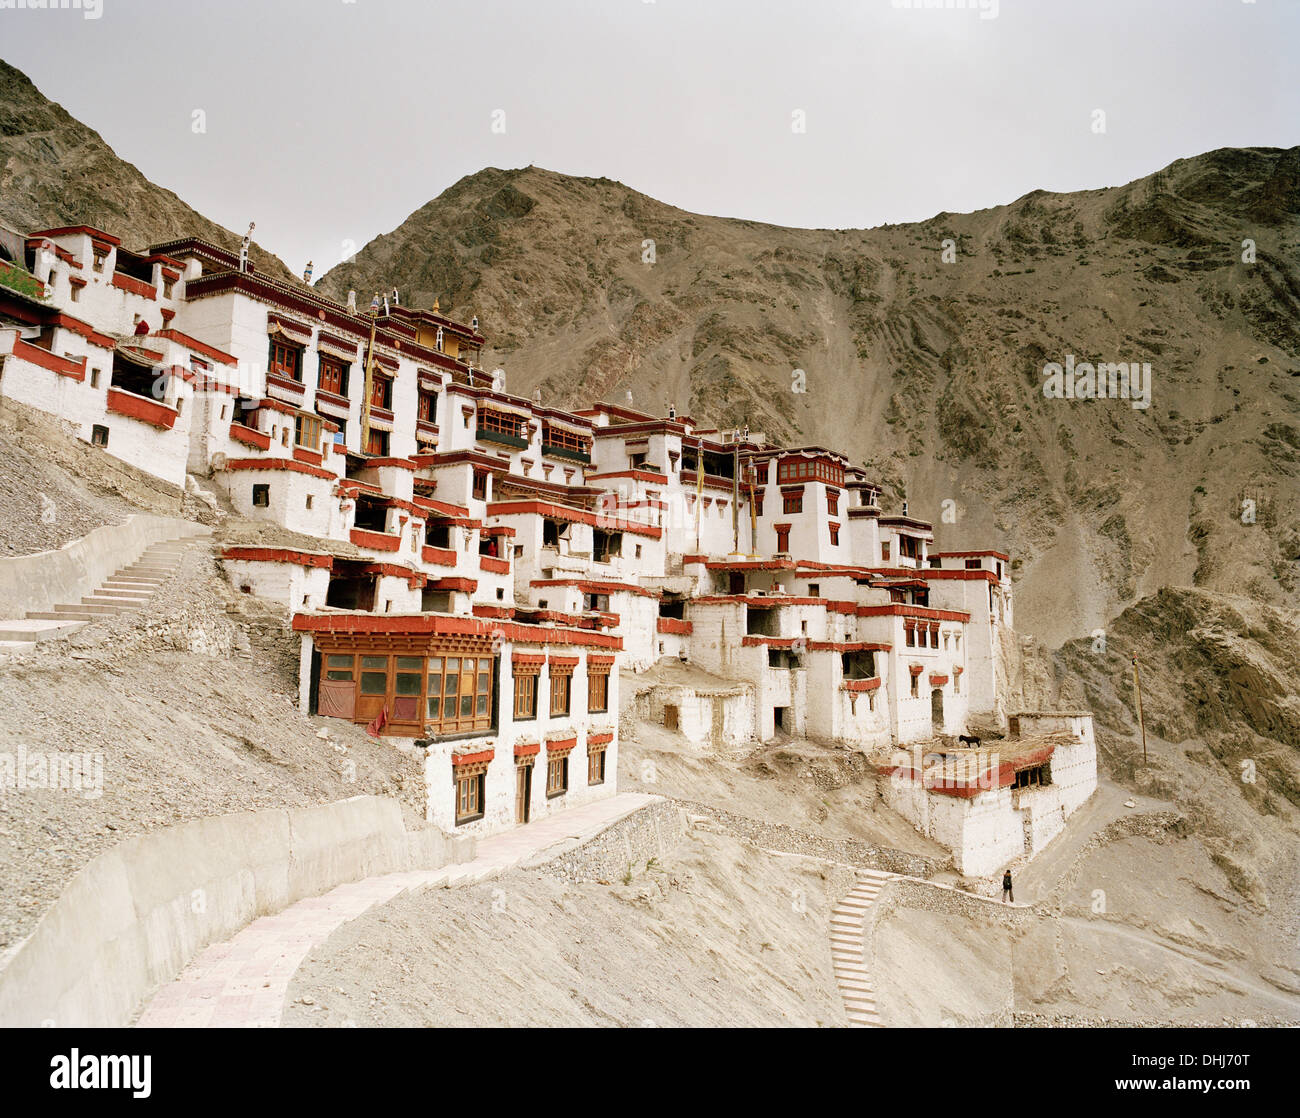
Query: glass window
[374, 683]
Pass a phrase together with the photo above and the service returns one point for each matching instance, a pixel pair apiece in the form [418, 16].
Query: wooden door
[372, 694]
[523, 792]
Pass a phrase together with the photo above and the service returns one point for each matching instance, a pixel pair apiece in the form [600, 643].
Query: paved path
[243, 982]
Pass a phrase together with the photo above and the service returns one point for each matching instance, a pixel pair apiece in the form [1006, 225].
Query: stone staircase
[848, 954]
[127, 590]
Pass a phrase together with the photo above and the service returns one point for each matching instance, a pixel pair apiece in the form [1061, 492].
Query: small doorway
[523, 792]
[671, 718]
[936, 710]
[778, 719]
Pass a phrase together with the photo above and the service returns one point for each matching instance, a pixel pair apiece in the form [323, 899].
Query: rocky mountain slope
[55, 171]
[930, 369]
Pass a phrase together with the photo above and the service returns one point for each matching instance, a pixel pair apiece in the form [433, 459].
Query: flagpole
[699, 489]
[735, 492]
[370, 376]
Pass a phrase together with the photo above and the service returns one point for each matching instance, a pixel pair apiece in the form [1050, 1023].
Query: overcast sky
[330, 120]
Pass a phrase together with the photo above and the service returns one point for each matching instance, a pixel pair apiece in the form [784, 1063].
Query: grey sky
[329, 120]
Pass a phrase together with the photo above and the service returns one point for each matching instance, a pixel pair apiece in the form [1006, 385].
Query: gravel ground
[191, 706]
[715, 933]
[40, 509]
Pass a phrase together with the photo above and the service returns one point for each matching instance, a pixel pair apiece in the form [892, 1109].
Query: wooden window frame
[561, 685]
[470, 794]
[791, 504]
[426, 406]
[595, 765]
[305, 421]
[557, 764]
[600, 674]
[526, 681]
[503, 423]
[481, 695]
[565, 439]
[278, 361]
[333, 376]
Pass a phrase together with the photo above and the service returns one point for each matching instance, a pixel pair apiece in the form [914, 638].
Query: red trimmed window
[557, 775]
[381, 392]
[503, 423]
[597, 689]
[480, 485]
[333, 376]
[791, 503]
[428, 407]
[525, 692]
[835, 534]
[377, 443]
[560, 680]
[595, 765]
[285, 361]
[758, 502]
[884, 551]
[833, 502]
[783, 539]
[307, 431]
[469, 795]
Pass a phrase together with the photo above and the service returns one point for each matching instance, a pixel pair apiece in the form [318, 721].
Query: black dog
[968, 739]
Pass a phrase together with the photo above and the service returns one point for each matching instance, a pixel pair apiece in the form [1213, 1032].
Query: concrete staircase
[847, 950]
[127, 590]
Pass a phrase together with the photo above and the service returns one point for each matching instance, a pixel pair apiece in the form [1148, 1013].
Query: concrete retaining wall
[39, 582]
[136, 915]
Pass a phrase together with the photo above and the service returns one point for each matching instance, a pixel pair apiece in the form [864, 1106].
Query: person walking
[1007, 894]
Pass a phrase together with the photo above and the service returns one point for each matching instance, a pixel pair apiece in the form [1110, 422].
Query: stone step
[93, 608]
[64, 616]
[30, 630]
[147, 569]
[118, 605]
[117, 594]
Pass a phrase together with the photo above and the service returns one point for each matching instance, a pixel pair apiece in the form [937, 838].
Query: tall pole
[699, 490]
[752, 476]
[735, 492]
[1137, 688]
[370, 376]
